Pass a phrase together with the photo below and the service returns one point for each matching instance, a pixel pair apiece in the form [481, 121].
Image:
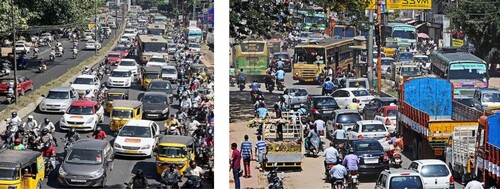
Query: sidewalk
[208, 58]
[237, 132]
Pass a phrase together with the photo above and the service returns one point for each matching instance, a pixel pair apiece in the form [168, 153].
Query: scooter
[352, 179]
[42, 68]
[274, 181]
[52, 56]
[49, 165]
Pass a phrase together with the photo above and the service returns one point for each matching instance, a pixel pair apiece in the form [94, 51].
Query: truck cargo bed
[284, 160]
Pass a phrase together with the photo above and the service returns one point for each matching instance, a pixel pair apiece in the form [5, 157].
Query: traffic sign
[372, 5]
[409, 4]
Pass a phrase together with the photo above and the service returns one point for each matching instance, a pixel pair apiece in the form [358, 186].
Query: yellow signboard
[409, 4]
[372, 5]
[91, 25]
[457, 42]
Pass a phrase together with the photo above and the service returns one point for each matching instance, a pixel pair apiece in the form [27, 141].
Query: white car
[169, 73]
[21, 47]
[156, 61]
[195, 47]
[124, 39]
[399, 178]
[171, 48]
[130, 32]
[92, 44]
[137, 138]
[58, 99]
[387, 115]
[84, 82]
[436, 173]
[83, 115]
[368, 129]
[344, 96]
[88, 36]
[120, 78]
[128, 64]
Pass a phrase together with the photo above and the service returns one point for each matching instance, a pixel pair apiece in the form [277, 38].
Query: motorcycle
[270, 87]
[396, 159]
[75, 52]
[67, 144]
[35, 53]
[352, 179]
[49, 162]
[328, 168]
[52, 56]
[10, 98]
[241, 85]
[338, 184]
[281, 85]
[193, 182]
[274, 181]
[42, 68]
[232, 81]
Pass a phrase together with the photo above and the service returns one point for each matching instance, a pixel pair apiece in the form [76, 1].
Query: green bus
[253, 57]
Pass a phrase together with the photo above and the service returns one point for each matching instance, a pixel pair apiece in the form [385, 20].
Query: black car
[322, 106]
[375, 104]
[370, 153]
[155, 105]
[163, 86]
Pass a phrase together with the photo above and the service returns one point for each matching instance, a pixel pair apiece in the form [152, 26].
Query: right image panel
[344, 94]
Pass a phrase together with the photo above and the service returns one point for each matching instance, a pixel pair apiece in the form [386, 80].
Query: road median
[26, 104]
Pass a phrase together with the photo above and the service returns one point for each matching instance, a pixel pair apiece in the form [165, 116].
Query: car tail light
[452, 180]
[388, 121]
[315, 111]
[361, 136]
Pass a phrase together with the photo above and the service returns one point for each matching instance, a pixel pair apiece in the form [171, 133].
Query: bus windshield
[474, 71]
[404, 34]
[309, 55]
[252, 47]
[154, 47]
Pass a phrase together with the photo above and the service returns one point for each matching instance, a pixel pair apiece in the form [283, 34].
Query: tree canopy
[262, 17]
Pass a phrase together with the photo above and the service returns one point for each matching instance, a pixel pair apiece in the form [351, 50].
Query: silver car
[58, 99]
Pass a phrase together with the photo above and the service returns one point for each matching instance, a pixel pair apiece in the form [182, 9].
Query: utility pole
[14, 50]
[369, 48]
[379, 58]
[95, 25]
[194, 9]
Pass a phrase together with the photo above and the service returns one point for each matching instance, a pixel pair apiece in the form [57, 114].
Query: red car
[284, 57]
[123, 50]
[113, 58]
[23, 84]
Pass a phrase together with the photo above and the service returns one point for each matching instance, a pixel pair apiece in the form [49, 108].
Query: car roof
[84, 103]
[91, 144]
[154, 93]
[399, 172]
[369, 122]
[341, 111]
[86, 76]
[177, 139]
[168, 66]
[127, 103]
[387, 58]
[120, 70]
[114, 52]
[354, 89]
[128, 59]
[320, 96]
[61, 89]
[386, 98]
[429, 161]
[156, 56]
[488, 90]
[138, 123]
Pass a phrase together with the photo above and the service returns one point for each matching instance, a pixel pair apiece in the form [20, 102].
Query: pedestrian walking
[235, 165]
[260, 151]
[246, 154]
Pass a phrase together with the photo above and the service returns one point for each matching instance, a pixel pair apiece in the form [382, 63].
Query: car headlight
[109, 80]
[89, 121]
[116, 145]
[98, 173]
[63, 120]
[62, 172]
[165, 111]
[64, 105]
[146, 147]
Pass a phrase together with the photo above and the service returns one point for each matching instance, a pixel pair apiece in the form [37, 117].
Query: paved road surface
[56, 68]
[312, 172]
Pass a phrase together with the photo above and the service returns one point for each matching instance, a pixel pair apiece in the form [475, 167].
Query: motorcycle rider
[255, 86]
[193, 125]
[72, 135]
[139, 181]
[186, 104]
[18, 145]
[268, 79]
[280, 64]
[280, 76]
[338, 173]
[171, 176]
[312, 139]
[173, 131]
[47, 124]
[172, 121]
[75, 51]
[30, 125]
[261, 112]
[49, 151]
[53, 53]
[339, 133]
[86, 70]
[331, 156]
[42, 64]
[328, 87]
[351, 161]
[88, 94]
[99, 134]
[354, 105]
[192, 170]
[11, 133]
[36, 51]
[14, 119]
[242, 77]
[45, 137]
[302, 110]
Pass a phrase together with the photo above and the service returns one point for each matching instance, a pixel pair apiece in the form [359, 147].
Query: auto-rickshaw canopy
[18, 159]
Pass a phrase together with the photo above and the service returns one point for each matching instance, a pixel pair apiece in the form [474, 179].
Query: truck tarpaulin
[430, 95]
[494, 129]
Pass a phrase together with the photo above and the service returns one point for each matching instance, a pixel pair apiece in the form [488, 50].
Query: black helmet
[45, 131]
[139, 172]
[14, 114]
[351, 150]
[255, 81]
[354, 100]
[46, 120]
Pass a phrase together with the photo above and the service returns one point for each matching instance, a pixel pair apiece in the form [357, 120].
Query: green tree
[261, 17]
[21, 16]
[479, 20]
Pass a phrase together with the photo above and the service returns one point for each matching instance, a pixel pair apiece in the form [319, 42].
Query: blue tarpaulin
[494, 129]
[431, 95]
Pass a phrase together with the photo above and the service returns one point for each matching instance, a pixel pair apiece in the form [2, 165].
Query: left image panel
[112, 94]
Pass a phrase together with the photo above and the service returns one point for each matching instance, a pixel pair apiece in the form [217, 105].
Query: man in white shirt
[320, 125]
[331, 156]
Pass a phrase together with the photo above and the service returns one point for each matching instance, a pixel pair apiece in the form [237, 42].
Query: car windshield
[127, 63]
[365, 128]
[151, 75]
[84, 156]
[367, 146]
[437, 170]
[168, 71]
[122, 113]
[170, 46]
[348, 118]
[114, 55]
[406, 182]
[115, 97]
[325, 102]
[131, 131]
[421, 59]
[156, 60]
[360, 93]
[91, 42]
[194, 45]
[154, 99]
[408, 71]
[84, 81]
[6, 80]
[159, 85]
[491, 97]
[392, 113]
[120, 74]
[9, 173]
[173, 152]
[281, 56]
[58, 95]
[387, 62]
[154, 47]
[391, 44]
[80, 110]
[120, 49]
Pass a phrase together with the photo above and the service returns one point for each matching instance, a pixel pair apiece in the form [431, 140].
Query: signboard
[91, 25]
[192, 23]
[457, 43]
[409, 4]
[372, 5]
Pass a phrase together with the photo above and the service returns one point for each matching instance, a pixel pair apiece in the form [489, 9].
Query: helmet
[46, 120]
[255, 81]
[173, 128]
[18, 140]
[45, 131]
[87, 91]
[14, 114]
[30, 117]
[351, 150]
[354, 100]
[72, 130]
[99, 128]
[139, 172]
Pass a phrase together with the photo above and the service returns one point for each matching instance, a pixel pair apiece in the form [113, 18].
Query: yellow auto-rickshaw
[21, 169]
[197, 68]
[173, 149]
[124, 110]
[149, 74]
[115, 94]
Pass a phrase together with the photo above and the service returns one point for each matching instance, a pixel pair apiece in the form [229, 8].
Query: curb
[23, 112]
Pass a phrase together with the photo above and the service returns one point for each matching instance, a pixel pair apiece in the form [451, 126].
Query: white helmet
[30, 117]
[173, 128]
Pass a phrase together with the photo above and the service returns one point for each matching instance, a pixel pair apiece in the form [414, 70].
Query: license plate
[308, 80]
[327, 112]
[371, 161]
[153, 115]
[76, 180]
[74, 125]
[130, 151]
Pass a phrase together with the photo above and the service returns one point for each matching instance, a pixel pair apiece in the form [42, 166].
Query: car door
[477, 100]
[342, 98]
[156, 132]
[26, 83]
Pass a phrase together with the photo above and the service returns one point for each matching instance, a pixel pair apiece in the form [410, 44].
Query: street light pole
[14, 50]
[95, 25]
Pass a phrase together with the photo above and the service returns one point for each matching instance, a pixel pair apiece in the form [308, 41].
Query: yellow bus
[253, 57]
[309, 59]
[156, 29]
[152, 45]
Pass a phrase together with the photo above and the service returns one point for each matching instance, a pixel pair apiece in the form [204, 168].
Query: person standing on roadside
[235, 165]
[246, 154]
